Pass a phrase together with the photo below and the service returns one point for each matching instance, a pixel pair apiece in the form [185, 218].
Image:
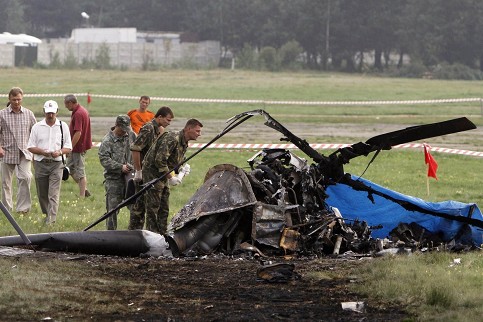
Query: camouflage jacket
[164, 155]
[146, 137]
[113, 153]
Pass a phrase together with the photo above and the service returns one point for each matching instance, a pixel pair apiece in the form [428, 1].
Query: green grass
[31, 289]
[226, 84]
[431, 286]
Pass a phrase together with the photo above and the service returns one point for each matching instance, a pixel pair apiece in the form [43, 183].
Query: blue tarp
[354, 204]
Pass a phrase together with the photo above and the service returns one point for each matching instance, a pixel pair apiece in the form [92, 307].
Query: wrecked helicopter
[288, 205]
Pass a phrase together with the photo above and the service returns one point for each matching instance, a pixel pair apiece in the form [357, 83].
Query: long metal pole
[14, 224]
[150, 184]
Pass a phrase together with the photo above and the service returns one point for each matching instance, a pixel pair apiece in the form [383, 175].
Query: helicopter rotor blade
[419, 132]
[387, 140]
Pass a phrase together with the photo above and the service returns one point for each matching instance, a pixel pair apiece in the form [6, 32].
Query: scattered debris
[456, 261]
[358, 307]
[277, 273]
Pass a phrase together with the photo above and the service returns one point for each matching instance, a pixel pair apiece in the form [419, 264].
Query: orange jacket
[138, 119]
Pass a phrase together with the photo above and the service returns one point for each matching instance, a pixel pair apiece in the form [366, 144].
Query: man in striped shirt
[16, 123]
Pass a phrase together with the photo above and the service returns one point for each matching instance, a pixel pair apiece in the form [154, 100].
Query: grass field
[401, 170]
[243, 85]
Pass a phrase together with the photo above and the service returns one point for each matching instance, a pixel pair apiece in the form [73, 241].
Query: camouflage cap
[124, 122]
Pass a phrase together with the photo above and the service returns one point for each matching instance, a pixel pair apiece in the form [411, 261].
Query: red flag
[89, 99]
[430, 161]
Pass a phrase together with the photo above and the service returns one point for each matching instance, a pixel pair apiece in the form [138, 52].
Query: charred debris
[279, 207]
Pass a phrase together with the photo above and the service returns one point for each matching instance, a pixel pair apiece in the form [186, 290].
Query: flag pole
[432, 165]
[427, 185]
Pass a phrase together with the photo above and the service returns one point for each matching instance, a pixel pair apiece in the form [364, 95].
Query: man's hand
[138, 175]
[174, 181]
[126, 168]
[184, 170]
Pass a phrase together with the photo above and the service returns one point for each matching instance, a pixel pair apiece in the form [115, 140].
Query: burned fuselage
[277, 207]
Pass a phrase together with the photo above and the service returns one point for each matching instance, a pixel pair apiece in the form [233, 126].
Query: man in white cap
[49, 141]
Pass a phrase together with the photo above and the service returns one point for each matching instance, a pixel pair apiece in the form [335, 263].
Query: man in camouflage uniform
[146, 137]
[163, 156]
[115, 157]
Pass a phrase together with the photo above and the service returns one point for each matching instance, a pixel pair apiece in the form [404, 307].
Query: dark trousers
[156, 201]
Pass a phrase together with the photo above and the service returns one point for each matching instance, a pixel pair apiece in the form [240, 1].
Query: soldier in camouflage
[146, 137]
[163, 156]
[115, 157]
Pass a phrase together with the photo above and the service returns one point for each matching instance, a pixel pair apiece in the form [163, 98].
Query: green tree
[52, 18]
[268, 59]
[381, 28]
[289, 54]
[461, 31]
[306, 21]
[12, 17]
[338, 31]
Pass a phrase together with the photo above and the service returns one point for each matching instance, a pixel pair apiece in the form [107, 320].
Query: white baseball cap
[51, 107]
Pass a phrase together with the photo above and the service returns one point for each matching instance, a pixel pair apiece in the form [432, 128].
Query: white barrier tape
[211, 100]
[318, 146]
[326, 146]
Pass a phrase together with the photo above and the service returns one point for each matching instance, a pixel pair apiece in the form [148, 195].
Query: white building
[103, 35]
[127, 48]
[19, 39]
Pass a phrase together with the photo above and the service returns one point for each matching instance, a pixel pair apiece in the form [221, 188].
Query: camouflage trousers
[137, 215]
[156, 201]
[115, 190]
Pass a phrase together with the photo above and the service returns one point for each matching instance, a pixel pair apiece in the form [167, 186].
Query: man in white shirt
[49, 141]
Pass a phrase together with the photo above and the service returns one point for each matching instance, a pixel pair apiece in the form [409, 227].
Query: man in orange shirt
[140, 115]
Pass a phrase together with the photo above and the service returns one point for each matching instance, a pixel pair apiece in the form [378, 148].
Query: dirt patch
[258, 132]
[227, 289]
[214, 288]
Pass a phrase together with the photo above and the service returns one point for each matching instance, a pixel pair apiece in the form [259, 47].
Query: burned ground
[227, 289]
[218, 288]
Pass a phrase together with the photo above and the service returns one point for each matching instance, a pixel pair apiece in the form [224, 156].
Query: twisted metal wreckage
[286, 205]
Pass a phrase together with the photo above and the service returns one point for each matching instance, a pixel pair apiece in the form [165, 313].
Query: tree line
[316, 34]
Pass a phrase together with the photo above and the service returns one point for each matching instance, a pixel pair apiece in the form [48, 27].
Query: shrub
[247, 59]
[55, 60]
[87, 64]
[289, 54]
[103, 58]
[148, 61]
[414, 70]
[456, 71]
[38, 65]
[70, 61]
[268, 59]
